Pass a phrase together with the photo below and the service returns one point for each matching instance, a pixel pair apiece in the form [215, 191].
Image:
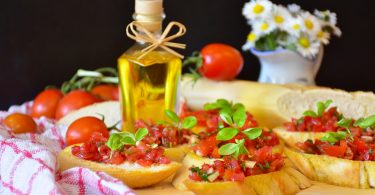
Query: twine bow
[134, 30]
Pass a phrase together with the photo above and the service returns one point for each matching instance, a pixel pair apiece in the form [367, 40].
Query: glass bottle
[148, 85]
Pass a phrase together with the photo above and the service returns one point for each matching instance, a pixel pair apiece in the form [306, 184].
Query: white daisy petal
[307, 47]
[294, 8]
[257, 9]
[280, 16]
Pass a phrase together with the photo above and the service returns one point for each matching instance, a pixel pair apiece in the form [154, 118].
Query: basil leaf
[189, 122]
[239, 116]
[333, 137]
[253, 133]
[140, 134]
[310, 113]
[173, 116]
[365, 122]
[128, 140]
[228, 149]
[211, 106]
[226, 134]
[344, 123]
[219, 104]
[241, 147]
[223, 103]
[114, 141]
[225, 115]
[238, 106]
[323, 106]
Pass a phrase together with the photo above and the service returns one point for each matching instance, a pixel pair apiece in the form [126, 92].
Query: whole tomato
[20, 123]
[81, 130]
[45, 103]
[220, 62]
[74, 100]
[106, 92]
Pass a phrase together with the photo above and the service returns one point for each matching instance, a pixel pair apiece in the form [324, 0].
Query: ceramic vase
[283, 66]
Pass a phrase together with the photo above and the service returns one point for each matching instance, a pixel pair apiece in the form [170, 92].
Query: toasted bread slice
[332, 170]
[177, 153]
[286, 181]
[110, 110]
[272, 105]
[291, 138]
[133, 175]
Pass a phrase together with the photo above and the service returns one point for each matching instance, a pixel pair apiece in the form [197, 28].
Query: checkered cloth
[28, 163]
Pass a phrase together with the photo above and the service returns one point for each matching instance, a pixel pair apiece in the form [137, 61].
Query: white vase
[285, 66]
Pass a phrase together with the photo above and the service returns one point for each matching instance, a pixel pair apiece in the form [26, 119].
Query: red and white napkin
[28, 163]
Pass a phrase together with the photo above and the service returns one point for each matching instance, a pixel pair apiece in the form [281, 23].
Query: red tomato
[106, 92]
[336, 151]
[82, 129]
[74, 100]
[20, 123]
[220, 62]
[45, 103]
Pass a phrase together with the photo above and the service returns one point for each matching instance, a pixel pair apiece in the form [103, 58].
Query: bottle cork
[149, 13]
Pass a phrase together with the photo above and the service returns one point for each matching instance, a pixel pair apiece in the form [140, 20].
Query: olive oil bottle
[149, 84]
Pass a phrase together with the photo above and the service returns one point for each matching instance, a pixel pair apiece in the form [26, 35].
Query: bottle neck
[153, 23]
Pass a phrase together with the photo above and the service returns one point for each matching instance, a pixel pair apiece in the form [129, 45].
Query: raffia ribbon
[137, 32]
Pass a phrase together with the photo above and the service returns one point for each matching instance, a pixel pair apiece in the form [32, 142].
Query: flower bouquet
[277, 29]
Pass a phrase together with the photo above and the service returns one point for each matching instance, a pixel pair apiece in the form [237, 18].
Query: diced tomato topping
[96, 150]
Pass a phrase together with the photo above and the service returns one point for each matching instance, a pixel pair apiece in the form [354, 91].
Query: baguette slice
[332, 170]
[109, 109]
[192, 159]
[177, 153]
[272, 105]
[291, 138]
[279, 182]
[132, 175]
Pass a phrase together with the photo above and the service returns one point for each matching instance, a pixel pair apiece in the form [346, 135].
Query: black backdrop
[43, 42]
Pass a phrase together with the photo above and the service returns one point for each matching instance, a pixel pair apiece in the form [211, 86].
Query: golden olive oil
[148, 85]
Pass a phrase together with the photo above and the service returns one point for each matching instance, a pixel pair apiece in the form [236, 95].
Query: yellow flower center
[264, 26]
[258, 9]
[309, 25]
[279, 19]
[304, 42]
[296, 26]
[320, 34]
[251, 37]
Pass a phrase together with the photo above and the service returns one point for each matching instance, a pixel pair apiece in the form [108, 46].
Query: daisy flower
[307, 47]
[294, 8]
[323, 37]
[295, 26]
[311, 24]
[327, 16]
[251, 40]
[263, 27]
[280, 16]
[256, 9]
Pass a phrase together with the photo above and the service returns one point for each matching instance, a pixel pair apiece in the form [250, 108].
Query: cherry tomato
[45, 103]
[220, 62]
[106, 92]
[82, 129]
[20, 123]
[74, 100]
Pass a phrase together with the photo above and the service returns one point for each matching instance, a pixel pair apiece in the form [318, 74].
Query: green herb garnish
[321, 107]
[116, 141]
[333, 137]
[365, 122]
[188, 122]
[234, 149]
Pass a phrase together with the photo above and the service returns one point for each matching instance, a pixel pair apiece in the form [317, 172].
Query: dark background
[44, 42]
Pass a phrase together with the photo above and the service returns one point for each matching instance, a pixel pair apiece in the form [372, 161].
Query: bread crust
[293, 137]
[136, 177]
[332, 170]
[285, 181]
